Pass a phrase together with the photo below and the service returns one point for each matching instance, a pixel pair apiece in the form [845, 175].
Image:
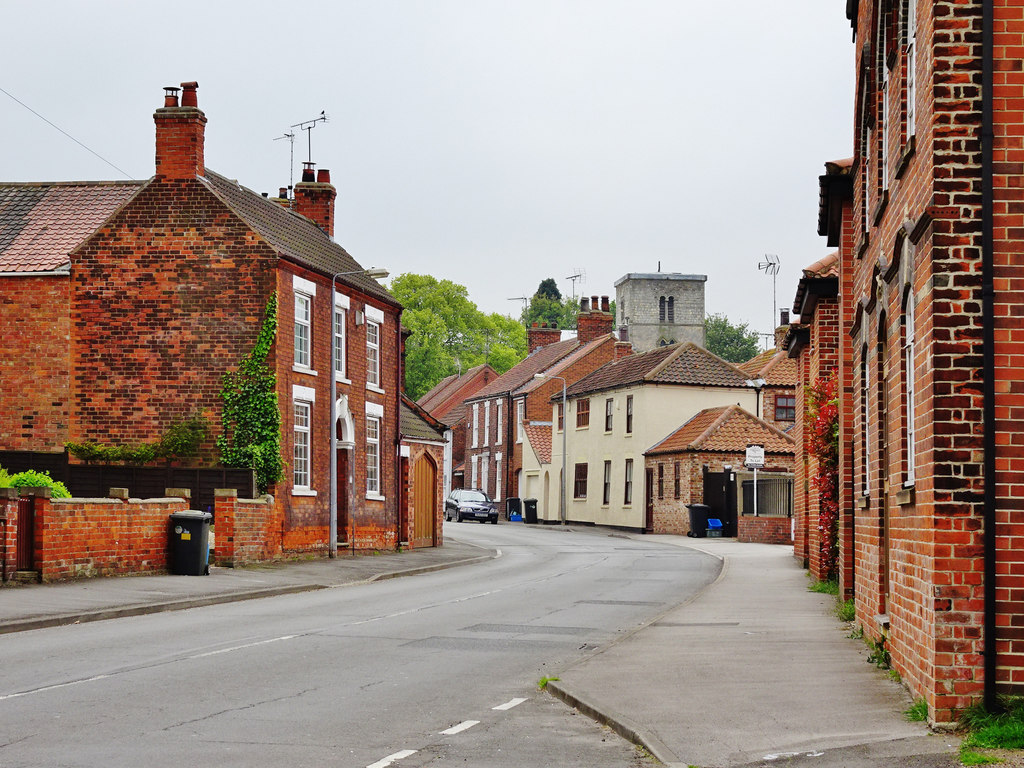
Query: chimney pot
[308, 172]
[283, 193]
[785, 317]
[604, 304]
[584, 304]
[593, 303]
[171, 96]
[535, 325]
[188, 94]
[323, 176]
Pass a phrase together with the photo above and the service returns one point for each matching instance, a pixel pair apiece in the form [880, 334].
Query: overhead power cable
[58, 128]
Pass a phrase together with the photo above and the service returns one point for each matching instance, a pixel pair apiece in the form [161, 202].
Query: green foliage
[829, 587]
[1003, 729]
[735, 343]
[879, 654]
[857, 633]
[548, 288]
[250, 420]
[918, 712]
[845, 610]
[182, 440]
[449, 334]
[32, 479]
[543, 682]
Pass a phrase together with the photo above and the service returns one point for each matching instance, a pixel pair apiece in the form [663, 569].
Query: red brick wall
[246, 530]
[34, 363]
[157, 315]
[764, 530]
[102, 537]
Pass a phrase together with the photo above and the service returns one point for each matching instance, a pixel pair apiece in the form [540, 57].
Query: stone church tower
[659, 308]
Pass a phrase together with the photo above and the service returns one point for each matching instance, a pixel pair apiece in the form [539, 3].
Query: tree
[547, 306]
[735, 343]
[449, 334]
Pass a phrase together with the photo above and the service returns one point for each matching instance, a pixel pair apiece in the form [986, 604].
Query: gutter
[988, 355]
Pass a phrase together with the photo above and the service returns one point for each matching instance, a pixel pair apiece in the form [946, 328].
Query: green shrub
[830, 587]
[32, 479]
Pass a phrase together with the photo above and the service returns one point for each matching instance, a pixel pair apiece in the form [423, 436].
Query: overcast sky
[491, 142]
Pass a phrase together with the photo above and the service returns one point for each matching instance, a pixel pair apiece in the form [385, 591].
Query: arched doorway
[424, 515]
[345, 434]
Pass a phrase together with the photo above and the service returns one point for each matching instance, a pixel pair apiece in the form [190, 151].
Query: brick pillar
[8, 533]
[225, 500]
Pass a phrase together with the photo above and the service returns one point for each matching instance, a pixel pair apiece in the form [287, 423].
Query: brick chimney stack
[540, 335]
[314, 197]
[594, 320]
[180, 135]
[783, 329]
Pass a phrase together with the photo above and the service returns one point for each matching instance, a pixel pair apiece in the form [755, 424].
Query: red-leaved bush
[823, 429]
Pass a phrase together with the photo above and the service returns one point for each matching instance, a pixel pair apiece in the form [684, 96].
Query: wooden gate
[425, 499]
[26, 534]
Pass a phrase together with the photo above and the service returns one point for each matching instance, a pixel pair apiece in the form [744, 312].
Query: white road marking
[509, 704]
[240, 647]
[392, 758]
[463, 726]
[53, 687]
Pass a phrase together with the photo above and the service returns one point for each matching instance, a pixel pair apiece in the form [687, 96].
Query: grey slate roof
[293, 236]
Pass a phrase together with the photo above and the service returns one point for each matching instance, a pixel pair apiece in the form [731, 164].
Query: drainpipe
[988, 353]
[398, 430]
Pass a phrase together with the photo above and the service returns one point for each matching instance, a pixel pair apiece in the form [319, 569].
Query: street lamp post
[565, 417]
[376, 273]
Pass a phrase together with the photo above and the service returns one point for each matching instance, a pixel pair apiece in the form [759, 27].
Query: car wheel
[494, 521]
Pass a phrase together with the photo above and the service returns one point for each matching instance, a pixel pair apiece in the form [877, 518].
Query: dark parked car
[470, 504]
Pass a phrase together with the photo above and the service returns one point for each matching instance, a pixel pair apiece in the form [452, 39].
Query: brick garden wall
[78, 538]
[34, 363]
[764, 530]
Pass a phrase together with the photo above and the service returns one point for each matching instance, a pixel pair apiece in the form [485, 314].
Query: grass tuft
[824, 587]
[543, 682]
[845, 610]
[918, 712]
[992, 730]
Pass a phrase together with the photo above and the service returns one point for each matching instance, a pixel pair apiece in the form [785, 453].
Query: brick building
[716, 440]
[39, 226]
[813, 345]
[613, 416]
[495, 417]
[168, 292]
[445, 402]
[777, 377]
[931, 305]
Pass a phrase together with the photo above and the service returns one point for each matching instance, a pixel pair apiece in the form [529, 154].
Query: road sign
[755, 456]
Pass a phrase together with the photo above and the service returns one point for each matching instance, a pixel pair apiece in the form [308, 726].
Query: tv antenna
[307, 126]
[290, 135]
[579, 274]
[770, 266]
[524, 299]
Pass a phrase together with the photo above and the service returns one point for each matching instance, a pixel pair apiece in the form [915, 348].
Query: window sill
[375, 497]
[303, 492]
[904, 161]
[862, 246]
[608, 432]
[883, 203]
[905, 497]
[303, 369]
[374, 388]
[342, 380]
[863, 502]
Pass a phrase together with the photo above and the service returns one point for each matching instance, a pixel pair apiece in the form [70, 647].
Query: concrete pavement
[753, 671]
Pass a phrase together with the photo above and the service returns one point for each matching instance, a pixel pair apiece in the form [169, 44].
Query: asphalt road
[437, 669]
